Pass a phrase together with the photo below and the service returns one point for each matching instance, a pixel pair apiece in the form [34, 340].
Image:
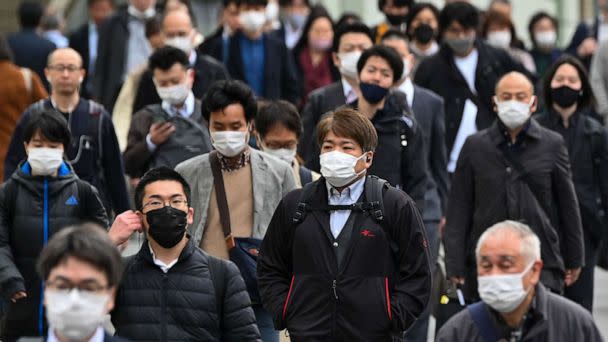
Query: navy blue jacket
[31, 51]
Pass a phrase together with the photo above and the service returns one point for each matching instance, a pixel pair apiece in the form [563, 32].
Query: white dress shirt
[349, 93]
[99, 335]
[349, 195]
[164, 267]
[407, 88]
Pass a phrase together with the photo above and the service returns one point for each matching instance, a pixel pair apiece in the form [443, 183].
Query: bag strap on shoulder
[481, 317]
[220, 194]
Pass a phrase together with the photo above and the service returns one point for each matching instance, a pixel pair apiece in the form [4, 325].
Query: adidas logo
[71, 201]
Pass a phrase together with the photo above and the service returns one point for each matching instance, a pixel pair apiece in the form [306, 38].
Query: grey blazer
[272, 179]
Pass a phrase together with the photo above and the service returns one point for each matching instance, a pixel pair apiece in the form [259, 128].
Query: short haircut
[356, 27]
[278, 112]
[289, 2]
[30, 13]
[396, 3]
[348, 18]
[51, 124]
[587, 98]
[166, 57]
[461, 12]
[162, 173]
[223, 93]
[530, 244]
[153, 26]
[253, 2]
[6, 54]
[388, 54]
[348, 123]
[415, 10]
[88, 243]
[538, 17]
[395, 34]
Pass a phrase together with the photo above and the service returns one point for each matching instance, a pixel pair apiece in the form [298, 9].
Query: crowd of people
[295, 172]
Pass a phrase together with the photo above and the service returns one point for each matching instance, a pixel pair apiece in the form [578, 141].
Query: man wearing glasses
[93, 151]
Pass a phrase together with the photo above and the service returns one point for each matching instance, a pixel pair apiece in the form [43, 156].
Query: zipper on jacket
[45, 227]
[333, 287]
[293, 277]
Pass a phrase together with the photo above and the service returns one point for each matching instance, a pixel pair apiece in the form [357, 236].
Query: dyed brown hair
[348, 123]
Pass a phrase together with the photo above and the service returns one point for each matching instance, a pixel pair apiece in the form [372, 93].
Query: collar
[349, 194]
[556, 119]
[473, 56]
[146, 253]
[64, 169]
[98, 336]
[431, 51]
[497, 132]
[192, 58]
[407, 88]
[164, 267]
[54, 105]
[186, 110]
[347, 89]
[244, 159]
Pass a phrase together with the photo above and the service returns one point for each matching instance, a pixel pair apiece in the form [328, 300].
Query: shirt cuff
[150, 144]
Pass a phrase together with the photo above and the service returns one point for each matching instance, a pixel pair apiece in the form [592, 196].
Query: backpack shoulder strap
[483, 321]
[305, 175]
[304, 202]
[216, 271]
[374, 191]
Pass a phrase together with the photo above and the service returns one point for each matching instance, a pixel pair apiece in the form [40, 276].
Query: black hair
[415, 10]
[153, 26]
[395, 34]
[356, 27]
[92, 2]
[348, 18]
[396, 3]
[538, 17]
[461, 12]
[288, 2]
[316, 12]
[388, 54]
[165, 58]
[51, 124]
[162, 173]
[253, 2]
[223, 93]
[30, 13]
[586, 99]
[6, 54]
[89, 243]
[50, 22]
[278, 112]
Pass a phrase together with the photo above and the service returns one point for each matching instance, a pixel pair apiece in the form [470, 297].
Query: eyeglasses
[84, 287]
[177, 203]
[62, 68]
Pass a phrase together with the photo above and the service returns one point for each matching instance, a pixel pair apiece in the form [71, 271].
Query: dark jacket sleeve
[238, 321]
[439, 163]
[571, 230]
[102, 61]
[460, 213]
[16, 151]
[113, 167]
[93, 209]
[11, 280]
[603, 171]
[580, 34]
[146, 93]
[412, 286]
[306, 144]
[137, 156]
[414, 166]
[290, 89]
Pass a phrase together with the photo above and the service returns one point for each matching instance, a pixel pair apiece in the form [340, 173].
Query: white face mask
[229, 143]
[504, 292]
[44, 161]
[499, 39]
[348, 63]
[175, 95]
[513, 114]
[285, 154]
[272, 11]
[338, 168]
[182, 43]
[75, 314]
[545, 39]
[147, 14]
[252, 21]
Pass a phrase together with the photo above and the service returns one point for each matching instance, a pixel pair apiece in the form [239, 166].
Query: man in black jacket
[463, 72]
[338, 274]
[516, 170]
[172, 290]
[178, 32]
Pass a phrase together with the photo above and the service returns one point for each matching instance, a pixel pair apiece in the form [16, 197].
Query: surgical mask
[338, 168]
[285, 154]
[499, 39]
[565, 97]
[406, 68]
[297, 20]
[460, 46]
[252, 21]
[512, 113]
[175, 95]
[147, 14]
[348, 63]
[44, 161]
[229, 143]
[372, 93]
[182, 43]
[272, 11]
[504, 292]
[75, 314]
[424, 33]
[167, 225]
[545, 39]
[321, 44]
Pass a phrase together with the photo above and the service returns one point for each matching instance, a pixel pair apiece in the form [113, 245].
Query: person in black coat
[29, 48]
[217, 43]
[569, 105]
[515, 170]
[172, 290]
[38, 200]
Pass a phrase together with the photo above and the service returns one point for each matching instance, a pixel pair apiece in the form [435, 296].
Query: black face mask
[396, 20]
[565, 96]
[424, 33]
[167, 225]
[372, 93]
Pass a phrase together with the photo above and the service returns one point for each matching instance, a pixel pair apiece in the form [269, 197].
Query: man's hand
[587, 47]
[160, 132]
[124, 226]
[572, 276]
[17, 296]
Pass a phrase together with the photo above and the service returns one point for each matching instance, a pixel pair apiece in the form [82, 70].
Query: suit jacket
[207, 70]
[428, 111]
[271, 178]
[213, 45]
[280, 76]
[320, 101]
[31, 51]
[79, 41]
[583, 31]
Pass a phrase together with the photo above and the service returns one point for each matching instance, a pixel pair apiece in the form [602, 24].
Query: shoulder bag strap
[220, 194]
[483, 321]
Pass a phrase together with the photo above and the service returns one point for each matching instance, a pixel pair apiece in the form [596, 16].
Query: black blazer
[280, 76]
[31, 51]
[213, 45]
[79, 41]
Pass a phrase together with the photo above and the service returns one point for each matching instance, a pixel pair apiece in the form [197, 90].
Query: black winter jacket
[181, 305]
[32, 210]
[373, 294]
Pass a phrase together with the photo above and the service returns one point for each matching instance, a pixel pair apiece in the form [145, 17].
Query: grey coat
[554, 318]
[599, 80]
[272, 179]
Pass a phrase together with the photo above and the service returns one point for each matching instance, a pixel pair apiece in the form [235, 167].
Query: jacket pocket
[286, 305]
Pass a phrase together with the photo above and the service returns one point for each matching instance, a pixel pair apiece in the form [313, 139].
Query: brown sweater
[239, 195]
[14, 100]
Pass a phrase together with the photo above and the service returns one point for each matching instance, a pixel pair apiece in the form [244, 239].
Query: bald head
[65, 55]
[175, 21]
[514, 79]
